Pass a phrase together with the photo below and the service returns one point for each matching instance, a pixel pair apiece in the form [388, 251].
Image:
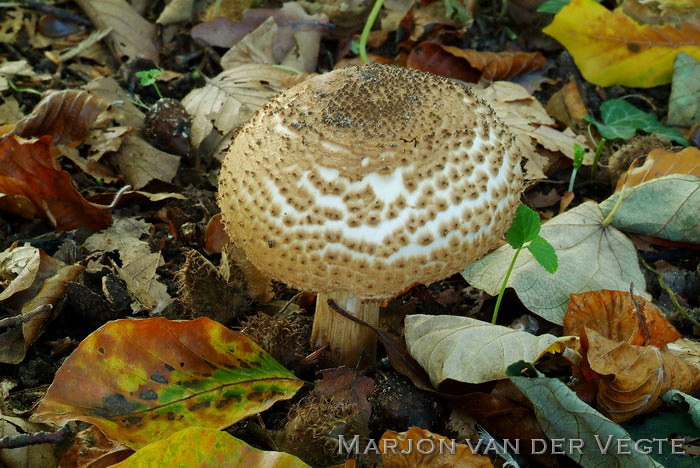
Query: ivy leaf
[525, 227]
[544, 254]
[622, 120]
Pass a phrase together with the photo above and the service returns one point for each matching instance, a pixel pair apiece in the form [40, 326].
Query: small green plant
[455, 10]
[525, 233]
[578, 162]
[596, 157]
[368, 27]
[148, 78]
[19, 89]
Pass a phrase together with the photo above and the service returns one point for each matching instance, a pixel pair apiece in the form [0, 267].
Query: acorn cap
[370, 180]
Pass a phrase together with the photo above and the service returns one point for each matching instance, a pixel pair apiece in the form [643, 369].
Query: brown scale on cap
[403, 164]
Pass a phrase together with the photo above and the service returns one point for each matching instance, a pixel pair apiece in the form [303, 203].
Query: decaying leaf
[683, 105]
[469, 350]
[34, 279]
[141, 163]
[138, 264]
[91, 448]
[632, 379]
[64, 115]
[679, 398]
[231, 98]
[471, 65]
[28, 456]
[660, 163]
[666, 207]
[401, 450]
[614, 315]
[185, 373]
[610, 48]
[565, 417]
[207, 448]
[32, 184]
[531, 125]
[132, 36]
[591, 257]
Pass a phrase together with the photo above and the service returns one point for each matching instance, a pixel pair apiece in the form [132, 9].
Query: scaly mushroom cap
[369, 180]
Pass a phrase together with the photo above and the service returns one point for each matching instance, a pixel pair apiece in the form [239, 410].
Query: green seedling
[368, 27]
[19, 89]
[578, 162]
[148, 78]
[455, 10]
[525, 233]
[596, 157]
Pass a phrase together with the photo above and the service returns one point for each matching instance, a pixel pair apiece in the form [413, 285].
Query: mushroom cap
[370, 180]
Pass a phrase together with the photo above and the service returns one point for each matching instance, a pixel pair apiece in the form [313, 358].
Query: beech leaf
[201, 447]
[610, 48]
[660, 163]
[666, 207]
[591, 256]
[469, 350]
[142, 380]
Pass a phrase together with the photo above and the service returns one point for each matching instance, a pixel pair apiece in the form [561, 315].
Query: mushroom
[360, 183]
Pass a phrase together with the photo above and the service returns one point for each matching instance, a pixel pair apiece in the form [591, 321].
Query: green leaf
[622, 120]
[579, 154]
[564, 416]
[684, 105]
[199, 447]
[142, 380]
[148, 77]
[649, 431]
[525, 227]
[552, 6]
[666, 207]
[544, 253]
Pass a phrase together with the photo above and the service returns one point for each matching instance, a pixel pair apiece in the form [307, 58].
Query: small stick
[19, 319]
[57, 12]
[43, 437]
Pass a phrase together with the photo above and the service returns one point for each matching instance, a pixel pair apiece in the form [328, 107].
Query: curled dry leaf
[614, 315]
[633, 379]
[64, 115]
[35, 280]
[419, 448]
[142, 380]
[471, 65]
[92, 449]
[660, 163]
[32, 184]
[231, 98]
[610, 48]
[207, 448]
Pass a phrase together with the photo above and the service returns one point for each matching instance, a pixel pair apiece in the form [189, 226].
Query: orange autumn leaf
[65, 115]
[419, 448]
[471, 65]
[660, 163]
[634, 377]
[32, 184]
[611, 48]
[614, 315]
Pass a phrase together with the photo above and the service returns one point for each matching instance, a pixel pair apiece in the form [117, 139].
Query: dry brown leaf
[140, 163]
[176, 11]
[132, 36]
[41, 281]
[614, 316]
[632, 379]
[92, 449]
[141, 280]
[403, 450]
[34, 185]
[660, 163]
[65, 115]
[10, 112]
[471, 65]
[121, 110]
[231, 98]
[567, 106]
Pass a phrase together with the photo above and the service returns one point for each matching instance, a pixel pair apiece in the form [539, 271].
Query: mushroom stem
[347, 340]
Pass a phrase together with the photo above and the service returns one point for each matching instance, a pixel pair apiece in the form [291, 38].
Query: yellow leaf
[610, 48]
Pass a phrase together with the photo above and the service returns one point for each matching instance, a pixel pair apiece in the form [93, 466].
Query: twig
[19, 319]
[640, 316]
[57, 12]
[43, 437]
[669, 291]
[117, 196]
